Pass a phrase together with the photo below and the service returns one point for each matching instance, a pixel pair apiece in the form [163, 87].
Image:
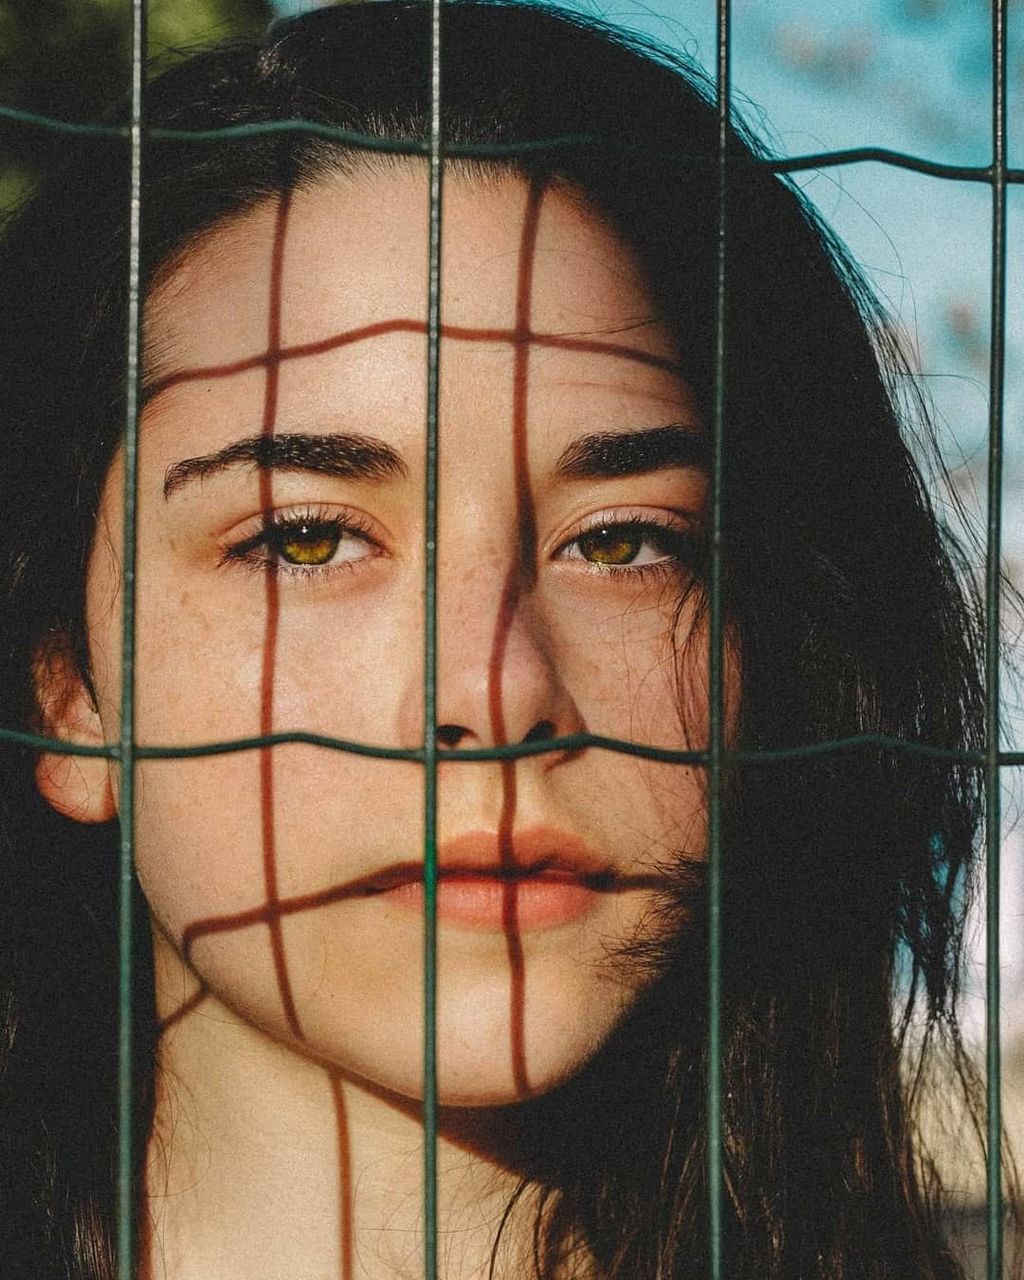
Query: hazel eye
[632, 546]
[308, 544]
[614, 545]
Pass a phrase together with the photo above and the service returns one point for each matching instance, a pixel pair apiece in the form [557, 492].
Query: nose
[458, 735]
[499, 681]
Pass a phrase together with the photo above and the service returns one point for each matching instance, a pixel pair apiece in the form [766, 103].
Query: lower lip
[492, 905]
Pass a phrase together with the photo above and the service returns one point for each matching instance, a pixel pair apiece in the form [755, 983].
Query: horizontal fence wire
[978, 757]
[419, 147]
[718, 757]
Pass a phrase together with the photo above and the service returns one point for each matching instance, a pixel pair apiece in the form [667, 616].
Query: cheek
[219, 835]
[220, 664]
[630, 668]
[354, 678]
[197, 828]
[649, 669]
[641, 675]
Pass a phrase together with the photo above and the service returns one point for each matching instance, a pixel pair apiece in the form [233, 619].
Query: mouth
[538, 879]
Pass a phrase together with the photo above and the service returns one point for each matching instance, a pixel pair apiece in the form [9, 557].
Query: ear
[79, 787]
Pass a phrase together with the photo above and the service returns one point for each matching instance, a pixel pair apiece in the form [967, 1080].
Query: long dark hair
[847, 875]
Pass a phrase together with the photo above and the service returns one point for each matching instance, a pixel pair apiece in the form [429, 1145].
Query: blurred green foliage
[72, 59]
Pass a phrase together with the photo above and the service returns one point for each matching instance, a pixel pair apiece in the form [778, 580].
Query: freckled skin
[585, 649]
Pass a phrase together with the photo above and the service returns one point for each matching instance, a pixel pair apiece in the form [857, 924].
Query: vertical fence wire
[125, 1208]
[430, 662]
[716, 678]
[993, 1073]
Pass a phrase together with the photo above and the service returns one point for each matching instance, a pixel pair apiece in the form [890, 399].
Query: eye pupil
[610, 546]
[309, 544]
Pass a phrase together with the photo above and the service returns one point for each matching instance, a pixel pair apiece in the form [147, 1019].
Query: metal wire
[126, 874]
[716, 676]
[517, 751]
[430, 662]
[993, 584]
[419, 146]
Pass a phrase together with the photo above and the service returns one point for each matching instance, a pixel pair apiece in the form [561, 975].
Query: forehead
[331, 284]
[355, 244]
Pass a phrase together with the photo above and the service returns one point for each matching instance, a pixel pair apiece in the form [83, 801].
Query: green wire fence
[717, 758]
[133, 385]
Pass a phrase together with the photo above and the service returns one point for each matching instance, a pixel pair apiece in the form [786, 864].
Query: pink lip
[539, 879]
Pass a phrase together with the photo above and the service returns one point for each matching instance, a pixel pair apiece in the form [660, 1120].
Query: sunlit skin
[572, 579]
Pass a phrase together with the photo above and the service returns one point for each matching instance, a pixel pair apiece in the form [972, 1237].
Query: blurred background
[914, 75]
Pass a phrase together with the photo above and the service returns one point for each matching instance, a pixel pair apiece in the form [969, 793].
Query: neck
[266, 1165]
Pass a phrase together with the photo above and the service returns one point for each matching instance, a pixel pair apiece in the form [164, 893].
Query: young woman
[280, 571]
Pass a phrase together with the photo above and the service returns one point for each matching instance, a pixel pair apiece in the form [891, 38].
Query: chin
[481, 1077]
[487, 1058]
[501, 1039]
[495, 1047]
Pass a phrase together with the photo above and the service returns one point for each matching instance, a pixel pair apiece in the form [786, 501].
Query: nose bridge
[496, 678]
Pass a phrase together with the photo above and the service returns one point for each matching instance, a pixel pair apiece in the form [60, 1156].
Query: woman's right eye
[305, 544]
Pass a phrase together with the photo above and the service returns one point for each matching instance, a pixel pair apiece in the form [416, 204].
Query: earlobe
[79, 787]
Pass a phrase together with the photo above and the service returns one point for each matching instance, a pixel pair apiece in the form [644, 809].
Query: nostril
[450, 735]
[542, 731]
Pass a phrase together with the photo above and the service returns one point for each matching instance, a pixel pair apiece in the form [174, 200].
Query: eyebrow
[352, 457]
[608, 454]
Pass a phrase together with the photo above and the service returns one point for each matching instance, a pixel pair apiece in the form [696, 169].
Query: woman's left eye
[633, 544]
[306, 543]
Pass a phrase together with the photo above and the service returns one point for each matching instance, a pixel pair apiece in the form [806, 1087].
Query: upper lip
[530, 853]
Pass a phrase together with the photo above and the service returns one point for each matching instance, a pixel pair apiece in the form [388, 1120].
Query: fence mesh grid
[127, 751]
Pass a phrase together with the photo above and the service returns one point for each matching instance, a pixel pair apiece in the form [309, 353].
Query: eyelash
[263, 550]
[680, 548]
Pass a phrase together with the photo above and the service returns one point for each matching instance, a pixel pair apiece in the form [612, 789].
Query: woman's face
[281, 587]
